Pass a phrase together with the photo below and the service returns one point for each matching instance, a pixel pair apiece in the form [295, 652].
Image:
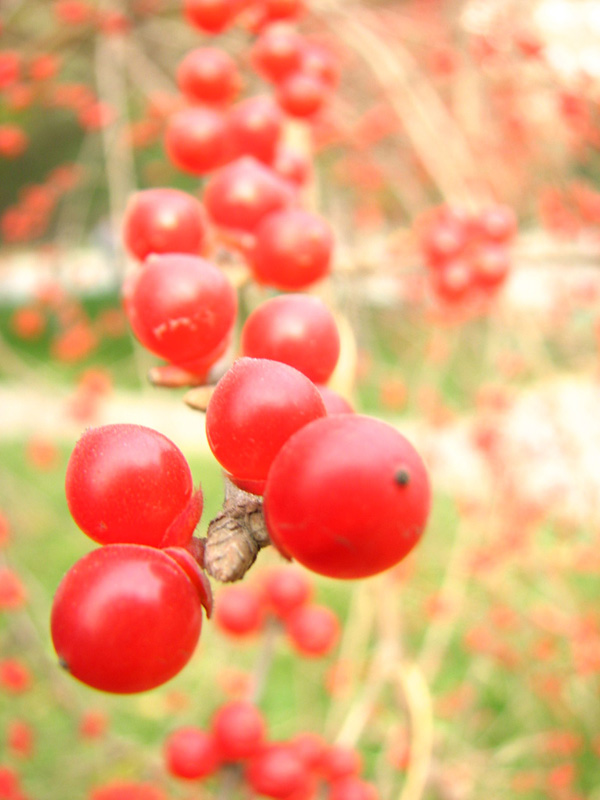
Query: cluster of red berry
[345, 495]
[290, 770]
[283, 597]
[467, 255]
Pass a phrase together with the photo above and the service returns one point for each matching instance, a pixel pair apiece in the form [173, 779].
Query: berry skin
[239, 730]
[240, 195]
[276, 772]
[181, 308]
[334, 402]
[256, 406]
[339, 762]
[125, 619]
[255, 127]
[277, 52]
[295, 329]
[163, 221]
[293, 250]
[130, 484]
[191, 753]
[301, 94]
[352, 788]
[313, 517]
[197, 140]
[210, 16]
[285, 590]
[208, 75]
[314, 630]
[239, 611]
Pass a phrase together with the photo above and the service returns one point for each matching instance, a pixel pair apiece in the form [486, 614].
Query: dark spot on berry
[402, 476]
[62, 663]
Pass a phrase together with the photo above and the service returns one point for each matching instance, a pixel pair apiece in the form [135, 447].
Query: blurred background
[449, 127]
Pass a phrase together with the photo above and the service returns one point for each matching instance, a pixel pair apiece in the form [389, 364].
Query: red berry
[130, 484]
[256, 406]
[210, 16]
[127, 790]
[295, 329]
[334, 402]
[197, 140]
[125, 618]
[352, 788]
[339, 761]
[239, 611]
[208, 75]
[191, 753]
[181, 307]
[239, 730]
[277, 52]
[276, 772]
[255, 127]
[312, 517]
[163, 221]
[301, 94]
[286, 589]
[309, 747]
[498, 223]
[314, 630]
[293, 250]
[491, 265]
[243, 193]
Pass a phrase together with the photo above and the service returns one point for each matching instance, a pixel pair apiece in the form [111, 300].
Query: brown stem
[235, 535]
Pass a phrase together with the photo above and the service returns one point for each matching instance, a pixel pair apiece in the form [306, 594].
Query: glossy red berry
[301, 94]
[239, 729]
[334, 402]
[208, 75]
[339, 761]
[293, 250]
[276, 772]
[286, 589]
[191, 753]
[239, 611]
[210, 16]
[312, 517]
[127, 790]
[277, 52]
[296, 329]
[125, 618]
[313, 630]
[163, 221]
[242, 194]
[181, 308]
[130, 484]
[197, 140]
[256, 406]
[255, 127]
[352, 788]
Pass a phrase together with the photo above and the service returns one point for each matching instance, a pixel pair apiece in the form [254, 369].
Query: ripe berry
[197, 140]
[352, 788]
[239, 729]
[130, 484]
[339, 761]
[255, 127]
[191, 753]
[301, 94]
[334, 402]
[286, 589]
[239, 611]
[295, 329]
[125, 618]
[208, 75]
[256, 406]
[210, 16]
[277, 52]
[243, 193]
[276, 772]
[182, 308]
[293, 250]
[312, 517]
[163, 221]
[314, 630]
